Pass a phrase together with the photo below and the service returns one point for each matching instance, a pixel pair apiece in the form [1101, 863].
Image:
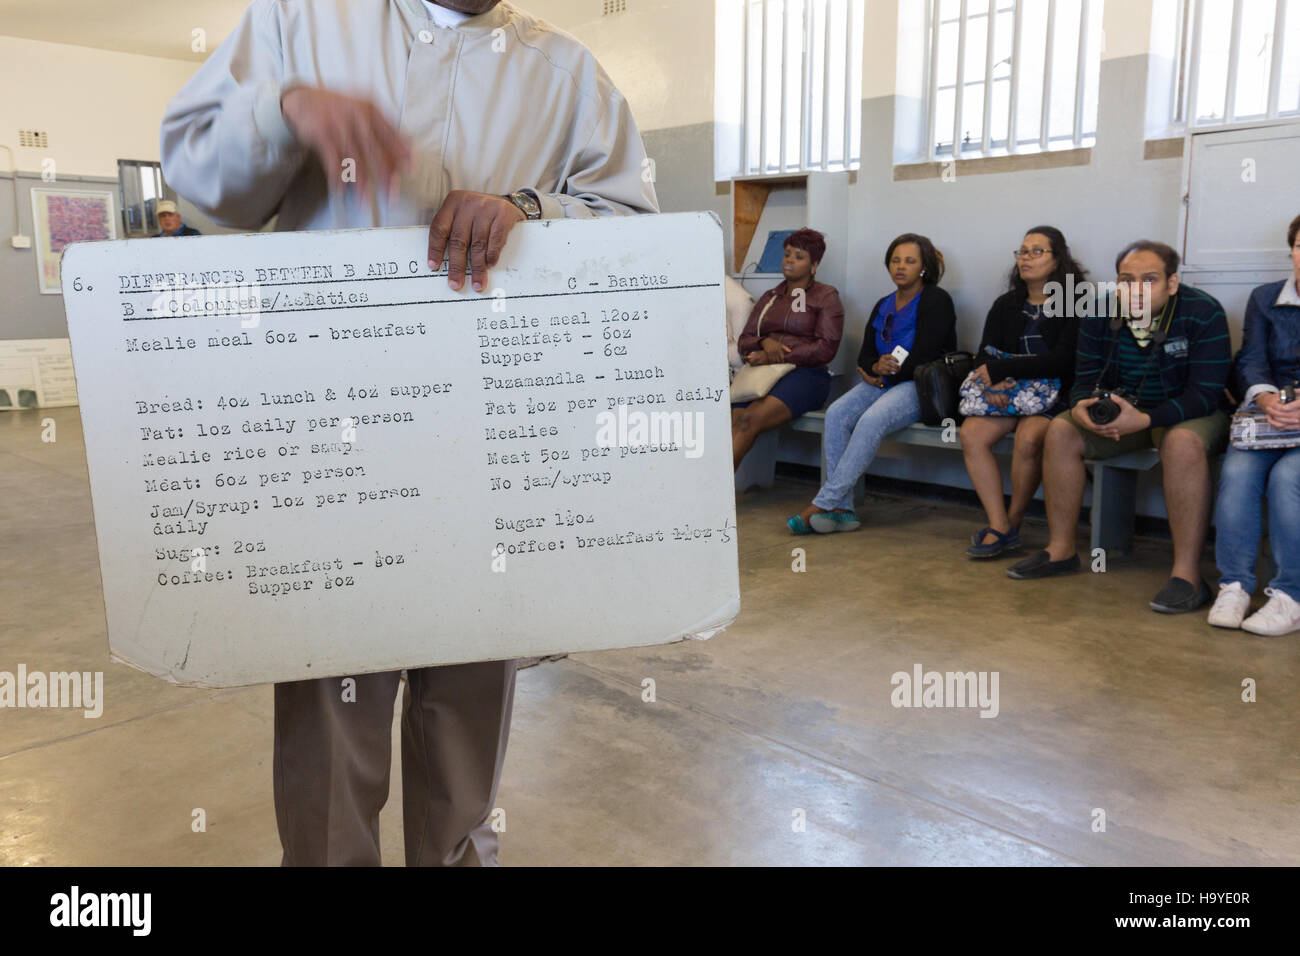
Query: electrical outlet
[22, 242]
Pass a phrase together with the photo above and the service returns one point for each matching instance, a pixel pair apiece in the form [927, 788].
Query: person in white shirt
[468, 115]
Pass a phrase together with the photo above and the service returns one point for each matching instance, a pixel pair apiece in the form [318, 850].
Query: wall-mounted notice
[61, 217]
[36, 373]
[309, 457]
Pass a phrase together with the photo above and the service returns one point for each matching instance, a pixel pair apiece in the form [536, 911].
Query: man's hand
[473, 226]
[1128, 421]
[870, 379]
[338, 128]
[758, 357]
[1079, 412]
[1284, 416]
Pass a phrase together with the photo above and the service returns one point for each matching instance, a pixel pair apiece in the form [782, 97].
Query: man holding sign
[470, 115]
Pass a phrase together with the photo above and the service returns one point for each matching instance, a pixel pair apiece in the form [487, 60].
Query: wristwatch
[527, 203]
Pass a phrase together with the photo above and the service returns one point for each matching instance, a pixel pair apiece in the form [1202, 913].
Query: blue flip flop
[827, 522]
[796, 525]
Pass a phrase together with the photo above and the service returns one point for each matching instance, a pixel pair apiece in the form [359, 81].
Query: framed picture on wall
[64, 216]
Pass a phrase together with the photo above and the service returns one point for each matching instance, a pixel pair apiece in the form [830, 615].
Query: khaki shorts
[1212, 430]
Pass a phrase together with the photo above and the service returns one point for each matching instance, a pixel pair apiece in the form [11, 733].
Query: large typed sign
[310, 457]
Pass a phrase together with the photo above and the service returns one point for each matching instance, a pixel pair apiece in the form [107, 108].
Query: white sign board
[310, 457]
[36, 373]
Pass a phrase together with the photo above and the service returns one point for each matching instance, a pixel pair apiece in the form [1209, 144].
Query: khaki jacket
[501, 102]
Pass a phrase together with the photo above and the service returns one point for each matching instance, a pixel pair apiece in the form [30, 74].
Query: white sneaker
[1281, 615]
[1230, 606]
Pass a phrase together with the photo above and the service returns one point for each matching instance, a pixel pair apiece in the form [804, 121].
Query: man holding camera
[1153, 378]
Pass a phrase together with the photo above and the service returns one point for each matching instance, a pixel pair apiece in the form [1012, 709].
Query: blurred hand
[338, 127]
[885, 365]
[871, 379]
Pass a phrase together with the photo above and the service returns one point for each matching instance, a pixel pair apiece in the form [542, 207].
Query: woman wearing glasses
[1036, 343]
[912, 325]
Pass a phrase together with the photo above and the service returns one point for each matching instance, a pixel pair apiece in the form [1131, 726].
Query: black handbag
[937, 385]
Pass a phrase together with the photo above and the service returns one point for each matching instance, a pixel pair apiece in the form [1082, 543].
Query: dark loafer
[1001, 544]
[1180, 597]
[1039, 565]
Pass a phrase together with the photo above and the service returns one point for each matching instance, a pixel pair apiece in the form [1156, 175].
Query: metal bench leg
[759, 466]
[1114, 500]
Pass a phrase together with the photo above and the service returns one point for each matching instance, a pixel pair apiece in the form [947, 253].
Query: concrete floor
[1103, 704]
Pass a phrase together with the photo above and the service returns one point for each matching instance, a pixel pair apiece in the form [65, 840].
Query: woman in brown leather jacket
[800, 321]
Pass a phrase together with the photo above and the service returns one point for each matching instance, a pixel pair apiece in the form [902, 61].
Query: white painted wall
[659, 53]
[97, 106]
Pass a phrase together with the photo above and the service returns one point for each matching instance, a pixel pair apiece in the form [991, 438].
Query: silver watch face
[527, 204]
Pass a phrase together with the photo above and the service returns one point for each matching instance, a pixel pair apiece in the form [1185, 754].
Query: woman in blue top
[1268, 367]
[913, 325]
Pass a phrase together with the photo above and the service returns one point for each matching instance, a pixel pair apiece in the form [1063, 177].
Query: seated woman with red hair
[799, 322]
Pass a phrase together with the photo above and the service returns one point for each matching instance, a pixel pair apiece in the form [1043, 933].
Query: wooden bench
[1114, 480]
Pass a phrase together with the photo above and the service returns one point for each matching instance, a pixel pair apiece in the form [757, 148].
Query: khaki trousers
[332, 760]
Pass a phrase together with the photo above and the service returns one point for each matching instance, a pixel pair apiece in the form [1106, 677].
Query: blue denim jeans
[1239, 516]
[856, 423]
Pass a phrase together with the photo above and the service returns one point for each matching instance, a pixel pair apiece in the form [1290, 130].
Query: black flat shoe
[1039, 565]
[1001, 544]
[1180, 597]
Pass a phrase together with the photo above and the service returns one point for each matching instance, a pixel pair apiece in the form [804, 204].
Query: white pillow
[739, 304]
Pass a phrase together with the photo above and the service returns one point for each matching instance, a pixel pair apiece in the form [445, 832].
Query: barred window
[1237, 60]
[1011, 76]
[790, 71]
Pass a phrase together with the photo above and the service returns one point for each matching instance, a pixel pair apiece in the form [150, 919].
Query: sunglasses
[887, 330]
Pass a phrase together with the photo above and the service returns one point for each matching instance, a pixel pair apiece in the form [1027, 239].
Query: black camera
[1288, 394]
[1105, 410]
